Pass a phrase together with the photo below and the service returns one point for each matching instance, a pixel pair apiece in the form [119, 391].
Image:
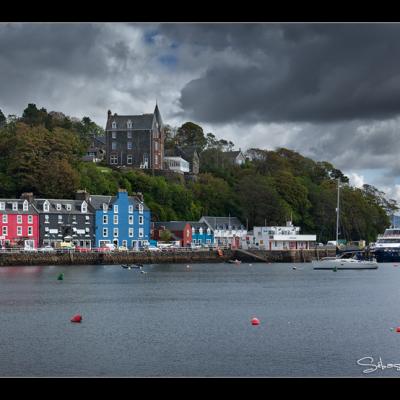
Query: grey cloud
[320, 73]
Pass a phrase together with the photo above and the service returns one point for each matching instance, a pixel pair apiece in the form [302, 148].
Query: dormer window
[58, 207]
[2, 205]
[105, 207]
[114, 125]
[193, 231]
[15, 206]
[141, 208]
[46, 207]
[129, 124]
[25, 206]
[68, 206]
[201, 231]
[84, 207]
[208, 231]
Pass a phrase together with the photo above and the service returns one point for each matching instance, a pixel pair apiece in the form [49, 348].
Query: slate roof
[232, 154]
[223, 222]
[187, 153]
[8, 207]
[75, 206]
[97, 201]
[139, 122]
[171, 225]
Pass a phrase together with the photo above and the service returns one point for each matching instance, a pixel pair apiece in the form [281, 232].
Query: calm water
[179, 321]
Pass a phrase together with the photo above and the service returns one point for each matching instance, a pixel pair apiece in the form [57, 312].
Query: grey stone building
[96, 150]
[63, 220]
[135, 140]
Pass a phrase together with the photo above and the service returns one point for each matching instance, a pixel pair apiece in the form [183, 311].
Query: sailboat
[347, 260]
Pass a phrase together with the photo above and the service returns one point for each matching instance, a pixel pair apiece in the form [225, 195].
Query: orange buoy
[255, 321]
[77, 318]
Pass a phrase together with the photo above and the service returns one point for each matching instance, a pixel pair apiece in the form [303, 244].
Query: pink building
[19, 224]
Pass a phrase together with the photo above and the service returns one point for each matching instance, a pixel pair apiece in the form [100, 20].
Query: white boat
[344, 262]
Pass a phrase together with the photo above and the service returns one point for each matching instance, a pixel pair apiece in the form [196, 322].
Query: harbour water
[180, 321]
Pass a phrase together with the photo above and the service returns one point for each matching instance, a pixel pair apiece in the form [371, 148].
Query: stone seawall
[206, 256]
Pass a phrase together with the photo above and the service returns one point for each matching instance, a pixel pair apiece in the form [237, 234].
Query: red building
[19, 224]
[181, 230]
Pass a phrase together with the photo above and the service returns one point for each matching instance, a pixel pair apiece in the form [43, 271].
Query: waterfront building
[181, 231]
[227, 231]
[278, 238]
[201, 234]
[19, 224]
[121, 220]
[62, 220]
[135, 140]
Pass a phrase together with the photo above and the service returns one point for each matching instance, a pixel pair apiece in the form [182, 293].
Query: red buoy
[398, 329]
[76, 318]
[255, 321]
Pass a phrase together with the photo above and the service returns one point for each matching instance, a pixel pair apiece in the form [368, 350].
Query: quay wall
[211, 256]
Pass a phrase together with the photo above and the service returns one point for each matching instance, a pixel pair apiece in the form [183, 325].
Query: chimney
[27, 196]
[108, 114]
[139, 195]
[82, 195]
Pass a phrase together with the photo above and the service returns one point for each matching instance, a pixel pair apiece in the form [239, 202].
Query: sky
[329, 91]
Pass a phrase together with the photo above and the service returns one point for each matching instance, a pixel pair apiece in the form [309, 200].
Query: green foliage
[41, 153]
[165, 235]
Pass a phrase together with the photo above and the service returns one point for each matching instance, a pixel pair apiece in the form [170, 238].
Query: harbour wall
[206, 256]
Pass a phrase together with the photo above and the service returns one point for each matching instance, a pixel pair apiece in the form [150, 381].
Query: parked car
[122, 248]
[80, 249]
[152, 248]
[46, 249]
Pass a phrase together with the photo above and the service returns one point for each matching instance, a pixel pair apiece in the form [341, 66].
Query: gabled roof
[233, 154]
[8, 207]
[97, 201]
[75, 206]
[187, 153]
[139, 122]
[222, 222]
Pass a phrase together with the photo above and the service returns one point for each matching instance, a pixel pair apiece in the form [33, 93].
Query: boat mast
[337, 214]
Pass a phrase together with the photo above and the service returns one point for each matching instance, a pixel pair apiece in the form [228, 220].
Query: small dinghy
[132, 266]
[234, 262]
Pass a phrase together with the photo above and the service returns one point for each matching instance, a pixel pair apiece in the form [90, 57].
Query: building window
[130, 232]
[115, 209]
[115, 232]
[114, 146]
[46, 219]
[140, 219]
[5, 231]
[46, 207]
[58, 207]
[140, 208]
[105, 232]
[105, 207]
[30, 219]
[2, 206]
[19, 219]
[105, 219]
[208, 241]
[129, 159]
[19, 230]
[129, 135]
[130, 209]
[84, 207]
[30, 230]
[87, 230]
[129, 145]
[156, 159]
[141, 234]
[87, 218]
[129, 124]
[130, 219]
[114, 126]
[115, 219]
[114, 159]
[5, 218]
[25, 206]
[60, 219]
[15, 206]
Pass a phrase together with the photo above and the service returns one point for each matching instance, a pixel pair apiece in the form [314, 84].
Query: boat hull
[335, 264]
[387, 255]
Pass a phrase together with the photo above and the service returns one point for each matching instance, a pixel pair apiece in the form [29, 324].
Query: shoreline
[206, 256]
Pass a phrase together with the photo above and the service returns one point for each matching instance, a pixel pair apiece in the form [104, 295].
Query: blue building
[201, 234]
[121, 220]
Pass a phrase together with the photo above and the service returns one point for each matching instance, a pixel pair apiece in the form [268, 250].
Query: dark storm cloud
[294, 72]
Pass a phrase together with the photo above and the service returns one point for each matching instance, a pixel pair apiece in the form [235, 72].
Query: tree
[190, 134]
[2, 119]
[165, 235]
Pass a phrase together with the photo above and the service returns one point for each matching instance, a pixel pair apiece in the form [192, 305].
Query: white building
[277, 238]
[228, 231]
[176, 164]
